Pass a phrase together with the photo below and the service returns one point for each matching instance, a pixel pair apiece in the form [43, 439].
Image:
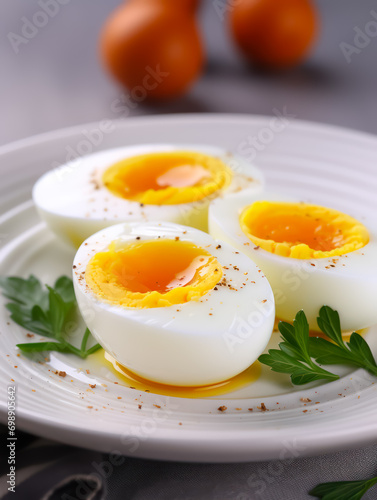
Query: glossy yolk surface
[167, 178]
[153, 273]
[302, 231]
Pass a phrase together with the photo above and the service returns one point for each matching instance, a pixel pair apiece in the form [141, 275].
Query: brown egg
[274, 33]
[153, 47]
[192, 5]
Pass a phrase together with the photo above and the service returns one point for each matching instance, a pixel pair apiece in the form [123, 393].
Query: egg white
[191, 344]
[74, 203]
[349, 285]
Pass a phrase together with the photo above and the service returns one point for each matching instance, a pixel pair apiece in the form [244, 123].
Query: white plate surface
[321, 164]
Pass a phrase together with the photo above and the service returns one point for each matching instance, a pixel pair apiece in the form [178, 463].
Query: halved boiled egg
[312, 255]
[138, 184]
[171, 304]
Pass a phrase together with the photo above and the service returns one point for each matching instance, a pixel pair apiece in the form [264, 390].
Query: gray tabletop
[55, 80]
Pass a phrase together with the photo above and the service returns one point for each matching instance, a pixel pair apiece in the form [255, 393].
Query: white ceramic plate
[319, 163]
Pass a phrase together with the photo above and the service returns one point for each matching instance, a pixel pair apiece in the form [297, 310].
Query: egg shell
[74, 202]
[191, 344]
[347, 283]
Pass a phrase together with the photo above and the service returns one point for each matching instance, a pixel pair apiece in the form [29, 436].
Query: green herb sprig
[298, 350]
[44, 310]
[343, 490]
[295, 356]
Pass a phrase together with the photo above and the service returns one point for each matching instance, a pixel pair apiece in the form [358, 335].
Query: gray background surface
[56, 80]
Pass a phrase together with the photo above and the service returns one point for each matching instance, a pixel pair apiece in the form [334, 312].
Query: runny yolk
[167, 178]
[153, 273]
[127, 378]
[182, 176]
[296, 229]
[301, 230]
[142, 269]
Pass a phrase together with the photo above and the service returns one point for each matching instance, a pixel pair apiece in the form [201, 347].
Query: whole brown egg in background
[154, 44]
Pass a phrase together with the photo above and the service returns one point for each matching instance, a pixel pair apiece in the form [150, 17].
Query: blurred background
[54, 77]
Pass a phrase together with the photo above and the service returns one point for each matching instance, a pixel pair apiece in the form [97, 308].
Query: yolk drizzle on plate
[126, 377]
[301, 230]
[168, 178]
[152, 273]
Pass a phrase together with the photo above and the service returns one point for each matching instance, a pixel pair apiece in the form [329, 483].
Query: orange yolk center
[141, 270]
[167, 178]
[296, 229]
[172, 172]
[302, 230]
[152, 273]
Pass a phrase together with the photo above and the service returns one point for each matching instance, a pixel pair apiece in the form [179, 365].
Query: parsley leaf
[329, 323]
[45, 311]
[294, 356]
[24, 292]
[343, 490]
[298, 349]
[356, 352]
